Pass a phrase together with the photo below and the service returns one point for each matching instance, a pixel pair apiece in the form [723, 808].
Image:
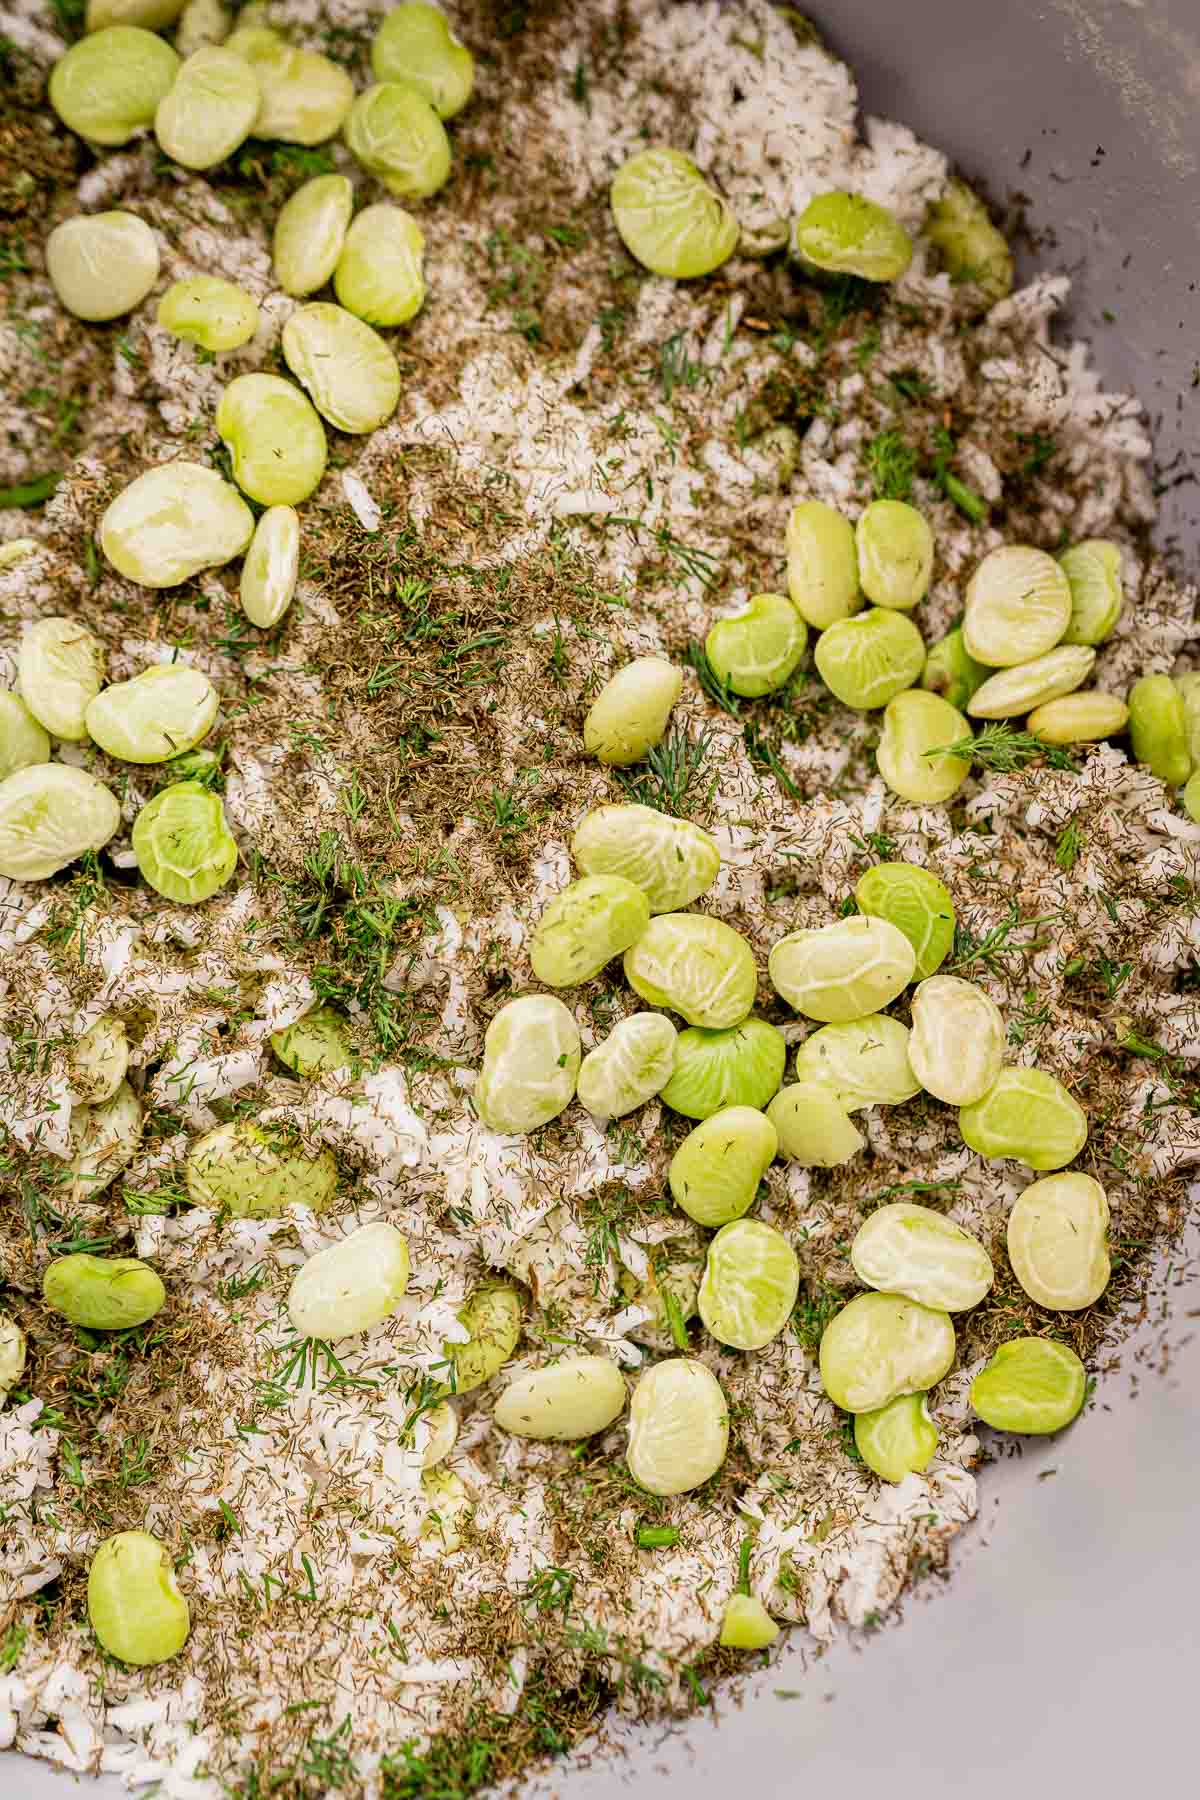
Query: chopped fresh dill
[1070, 843]
[909, 386]
[717, 690]
[972, 505]
[891, 464]
[670, 768]
[763, 755]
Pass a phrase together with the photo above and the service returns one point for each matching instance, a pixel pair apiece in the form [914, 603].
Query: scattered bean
[696, 966]
[531, 1057]
[1058, 1241]
[739, 1066]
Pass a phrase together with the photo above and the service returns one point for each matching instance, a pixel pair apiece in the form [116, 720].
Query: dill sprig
[998, 746]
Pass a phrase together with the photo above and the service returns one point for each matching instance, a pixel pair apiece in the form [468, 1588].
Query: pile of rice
[568, 418]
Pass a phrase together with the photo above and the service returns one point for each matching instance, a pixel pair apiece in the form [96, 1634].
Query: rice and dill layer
[583, 466]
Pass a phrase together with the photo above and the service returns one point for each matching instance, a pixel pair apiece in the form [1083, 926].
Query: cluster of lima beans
[883, 1351]
[180, 518]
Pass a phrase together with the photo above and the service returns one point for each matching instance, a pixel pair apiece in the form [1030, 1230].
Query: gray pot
[1062, 1656]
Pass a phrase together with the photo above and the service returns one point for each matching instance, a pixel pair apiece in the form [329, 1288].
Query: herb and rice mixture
[587, 464]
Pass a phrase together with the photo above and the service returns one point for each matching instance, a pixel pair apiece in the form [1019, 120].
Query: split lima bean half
[305, 96]
[678, 1427]
[103, 1293]
[971, 247]
[1188, 688]
[632, 1065]
[629, 715]
[201, 22]
[584, 927]
[448, 1511]
[237, 1168]
[903, 1248]
[1079, 718]
[24, 741]
[315, 1045]
[442, 1423]
[492, 1316]
[881, 1346]
[696, 966]
[669, 218]
[531, 1057]
[380, 272]
[950, 672]
[350, 1286]
[867, 660]
[209, 110]
[104, 1140]
[275, 439]
[61, 667]
[1058, 1241]
[99, 1060]
[846, 234]
[1093, 572]
[822, 564]
[1158, 728]
[1018, 605]
[751, 1279]
[913, 900]
[108, 85]
[133, 1600]
[1031, 1385]
[958, 1038]
[102, 264]
[12, 1355]
[310, 233]
[741, 1065]
[1027, 1115]
[843, 970]
[1031, 684]
[396, 135]
[272, 567]
[747, 1625]
[568, 1400]
[895, 553]
[350, 374]
[715, 1172]
[864, 1061]
[152, 15]
[158, 714]
[915, 724]
[183, 844]
[756, 650]
[174, 521]
[813, 1127]
[50, 815]
[898, 1439]
[209, 311]
[415, 44]
[671, 860]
